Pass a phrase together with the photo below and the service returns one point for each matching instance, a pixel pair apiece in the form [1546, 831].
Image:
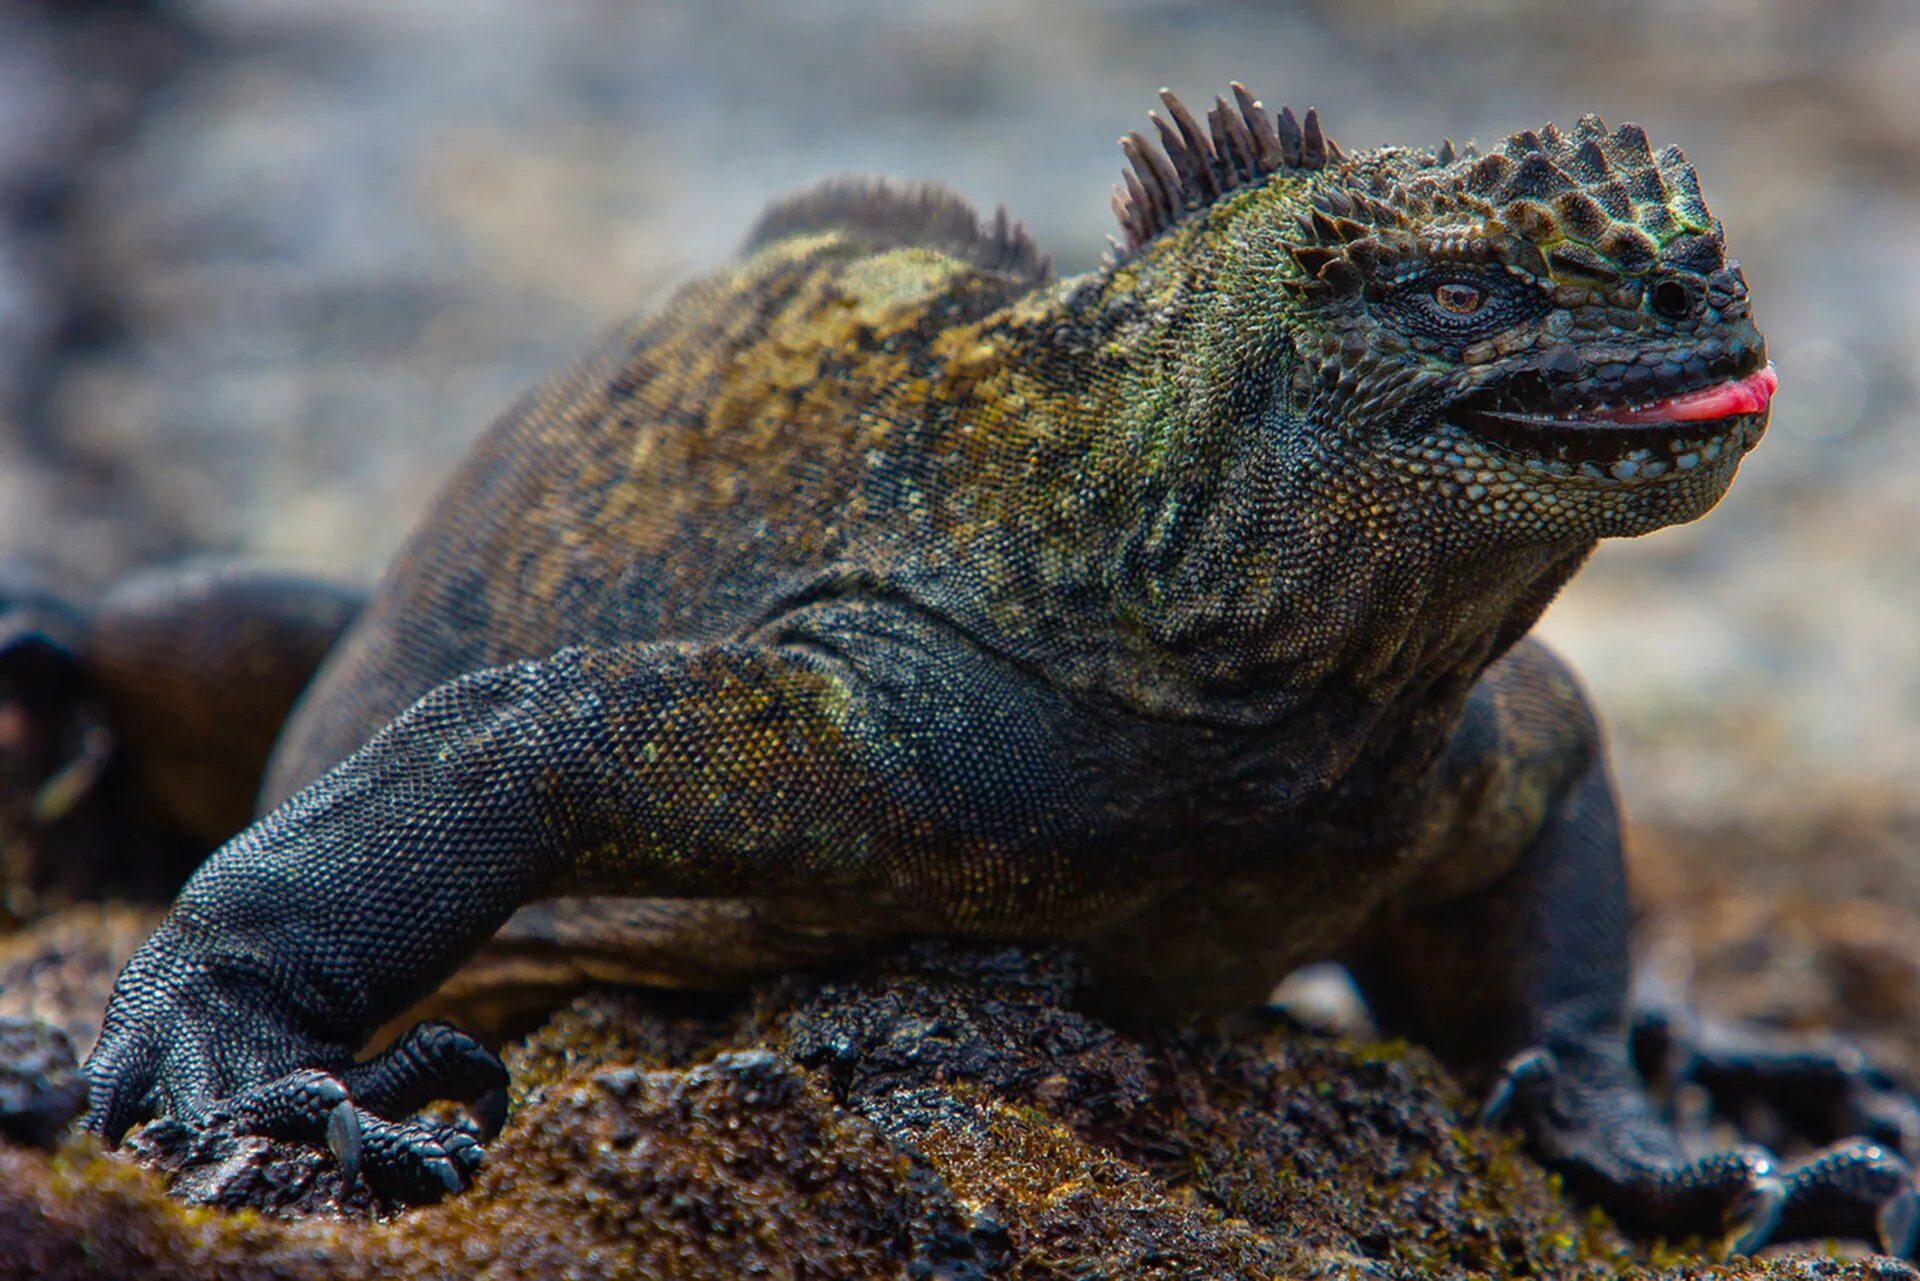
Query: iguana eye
[1458, 299]
[1455, 306]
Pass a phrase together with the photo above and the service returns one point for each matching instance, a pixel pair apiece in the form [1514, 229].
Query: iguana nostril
[1673, 300]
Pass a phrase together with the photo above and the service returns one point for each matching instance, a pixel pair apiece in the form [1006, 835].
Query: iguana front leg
[1521, 983]
[784, 766]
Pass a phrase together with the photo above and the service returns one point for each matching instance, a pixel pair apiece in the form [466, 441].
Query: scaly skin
[880, 586]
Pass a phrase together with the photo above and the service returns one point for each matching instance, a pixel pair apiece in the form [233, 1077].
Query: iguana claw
[489, 1112]
[1522, 1071]
[343, 1138]
[1897, 1225]
[1754, 1219]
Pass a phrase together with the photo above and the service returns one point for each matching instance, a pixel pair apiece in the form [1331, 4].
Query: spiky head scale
[1588, 209]
[1591, 205]
[1608, 297]
[1192, 168]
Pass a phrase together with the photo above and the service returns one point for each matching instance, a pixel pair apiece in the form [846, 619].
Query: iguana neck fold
[1259, 565]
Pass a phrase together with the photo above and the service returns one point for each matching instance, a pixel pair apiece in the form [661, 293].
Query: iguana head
[1549, 335]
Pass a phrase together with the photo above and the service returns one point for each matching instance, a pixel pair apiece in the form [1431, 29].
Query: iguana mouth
[1625, 441]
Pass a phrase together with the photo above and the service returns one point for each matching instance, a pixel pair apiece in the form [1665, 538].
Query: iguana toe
[344, 1139]
[1523, 1072]
[1754, 1218]
[1589, 1119]
[431, 1061]
[1857, 1190]
[121, 1075]
[414, 1161]
[417, 1162]
[1897, 1223]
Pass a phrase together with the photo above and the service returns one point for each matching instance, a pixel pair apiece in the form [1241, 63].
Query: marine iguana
[881, 584]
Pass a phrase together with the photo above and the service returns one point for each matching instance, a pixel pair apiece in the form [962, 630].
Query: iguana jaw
[1644, 440]
[1732, 399]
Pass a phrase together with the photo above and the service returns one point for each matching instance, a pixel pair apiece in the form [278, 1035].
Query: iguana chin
[882, 585]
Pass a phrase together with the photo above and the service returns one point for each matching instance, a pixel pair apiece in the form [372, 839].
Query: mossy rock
[948, 1114]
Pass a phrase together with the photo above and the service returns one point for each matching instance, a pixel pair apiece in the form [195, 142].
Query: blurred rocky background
[266, 266]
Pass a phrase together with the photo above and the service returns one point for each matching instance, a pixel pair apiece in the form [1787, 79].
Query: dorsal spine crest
[1192, 168]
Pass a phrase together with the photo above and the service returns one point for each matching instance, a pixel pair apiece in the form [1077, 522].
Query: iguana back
[764, 432]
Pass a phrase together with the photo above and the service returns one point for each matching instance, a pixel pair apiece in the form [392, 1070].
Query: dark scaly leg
[773, 766]
[133, 733]
[1800, 1089]
[1531, 970]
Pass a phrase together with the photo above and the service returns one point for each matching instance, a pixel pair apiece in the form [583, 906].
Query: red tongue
[1748, 395]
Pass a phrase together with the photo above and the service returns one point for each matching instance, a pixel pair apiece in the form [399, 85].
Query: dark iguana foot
[409, 1160]
[1785, 1090]
[1588, 1116]
[1793, 1092]
[239, 1063]
[432, 1061]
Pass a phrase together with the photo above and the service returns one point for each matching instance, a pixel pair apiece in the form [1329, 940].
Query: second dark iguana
[881, 585]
